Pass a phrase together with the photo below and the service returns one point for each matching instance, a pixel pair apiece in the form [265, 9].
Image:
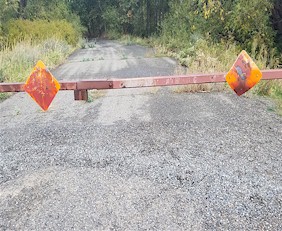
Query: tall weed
[16, 63]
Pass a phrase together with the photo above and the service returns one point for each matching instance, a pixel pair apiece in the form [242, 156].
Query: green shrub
[39, 30]
[4, 96]
[2, 78]
[270, 88]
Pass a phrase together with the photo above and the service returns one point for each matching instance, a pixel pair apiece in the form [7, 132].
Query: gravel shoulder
[139, 159]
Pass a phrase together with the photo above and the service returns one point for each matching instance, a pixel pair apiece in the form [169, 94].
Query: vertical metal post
[81, 95]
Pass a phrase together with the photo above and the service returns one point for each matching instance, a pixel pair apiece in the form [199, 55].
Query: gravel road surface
[139, 159]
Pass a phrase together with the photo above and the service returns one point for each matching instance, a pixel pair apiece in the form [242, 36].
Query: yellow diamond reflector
[244, 74]
[42, 86]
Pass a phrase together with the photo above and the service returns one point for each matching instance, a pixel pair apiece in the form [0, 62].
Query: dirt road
[147, 159]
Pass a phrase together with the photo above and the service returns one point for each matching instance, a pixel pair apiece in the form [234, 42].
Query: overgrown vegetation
[32, 30]
[204, 35]
[139, 17]
[220, 27]
[37, 20]
[40, 30]
[207, 35]
[271, 89]
[16, 62]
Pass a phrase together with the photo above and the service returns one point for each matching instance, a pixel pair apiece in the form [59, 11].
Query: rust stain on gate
[83, 85]
[42, 85]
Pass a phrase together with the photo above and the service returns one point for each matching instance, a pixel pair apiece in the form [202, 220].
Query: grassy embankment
[35, 43]
[203, 57]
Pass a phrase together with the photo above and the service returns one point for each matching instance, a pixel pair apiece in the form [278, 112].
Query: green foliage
[8, 10]
[90, 13]
[39, 30]
[37, 20]
[132, 40]
[272, 89]
[4, 96]
[138, 17]
[250, 20]
[204, 35]
[213, 20]
[210, 34]
[48, 10]
[112, 19]
[276, 20]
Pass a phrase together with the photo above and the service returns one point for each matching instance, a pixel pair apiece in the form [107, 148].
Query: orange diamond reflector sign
[244, 74]
[42, 86]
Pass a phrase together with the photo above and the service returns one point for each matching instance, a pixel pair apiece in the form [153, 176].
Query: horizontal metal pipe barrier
[80, 87]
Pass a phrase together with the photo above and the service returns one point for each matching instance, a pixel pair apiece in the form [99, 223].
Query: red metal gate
[81, 87]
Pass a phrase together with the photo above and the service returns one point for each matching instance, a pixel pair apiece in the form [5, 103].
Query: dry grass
[207, 87]
[133, 40]
[154, 90]
[202, 58]
[96, 94]
[16, 63]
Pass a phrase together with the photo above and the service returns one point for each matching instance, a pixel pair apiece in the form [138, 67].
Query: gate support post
[81, 95]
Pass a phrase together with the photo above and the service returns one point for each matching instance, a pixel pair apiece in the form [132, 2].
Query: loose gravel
[146, 159]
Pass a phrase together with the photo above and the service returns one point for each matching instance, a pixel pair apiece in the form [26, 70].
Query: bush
[243, 22]
[39, 30]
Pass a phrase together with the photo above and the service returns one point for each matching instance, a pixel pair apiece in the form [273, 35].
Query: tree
[276, 20]
[139, 17]
[241, 21]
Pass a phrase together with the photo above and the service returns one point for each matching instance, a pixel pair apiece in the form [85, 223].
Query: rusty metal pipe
[141, 82]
